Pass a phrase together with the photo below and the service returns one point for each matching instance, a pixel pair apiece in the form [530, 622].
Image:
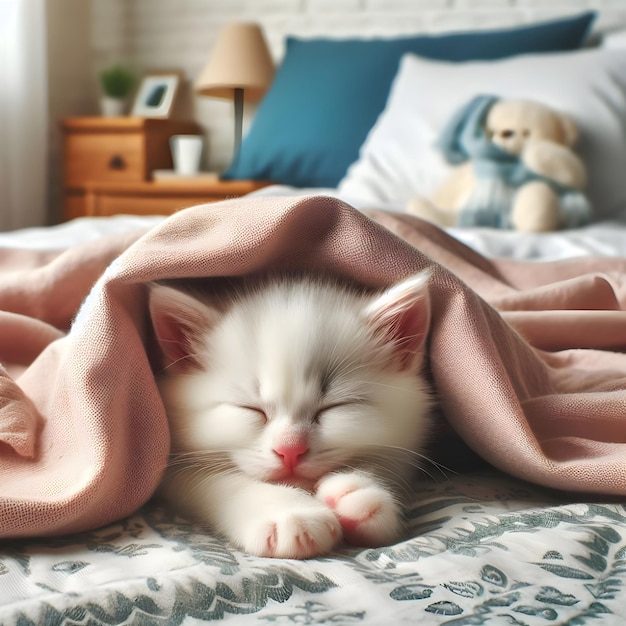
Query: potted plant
[117, 83]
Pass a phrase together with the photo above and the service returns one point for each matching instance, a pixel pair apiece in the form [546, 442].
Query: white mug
[186, 153]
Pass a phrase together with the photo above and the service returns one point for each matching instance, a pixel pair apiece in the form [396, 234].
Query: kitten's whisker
[410, 455]
[177, 361]
[202, 471]
[414, 453]
[375, 383]
[201, 462]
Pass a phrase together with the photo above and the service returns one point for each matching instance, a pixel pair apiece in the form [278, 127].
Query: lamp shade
[240, 60]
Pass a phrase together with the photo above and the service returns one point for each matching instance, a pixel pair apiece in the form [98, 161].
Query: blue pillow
[327, 94]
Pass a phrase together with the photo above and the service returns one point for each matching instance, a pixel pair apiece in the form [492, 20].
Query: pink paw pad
[350, 523]
[271, 542]
[367, 514]
[331, 501]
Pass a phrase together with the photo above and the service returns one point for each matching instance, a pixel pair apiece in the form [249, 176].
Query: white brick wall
[180, 33]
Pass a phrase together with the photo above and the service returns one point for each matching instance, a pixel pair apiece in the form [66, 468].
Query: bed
[484, 546]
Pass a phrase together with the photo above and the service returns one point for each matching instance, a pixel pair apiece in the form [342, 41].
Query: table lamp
[240, 68]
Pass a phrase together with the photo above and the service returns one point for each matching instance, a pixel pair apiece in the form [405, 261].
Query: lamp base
[238, 117]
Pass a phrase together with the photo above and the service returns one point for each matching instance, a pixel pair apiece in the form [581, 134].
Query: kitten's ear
[179, 320]
[401, 315]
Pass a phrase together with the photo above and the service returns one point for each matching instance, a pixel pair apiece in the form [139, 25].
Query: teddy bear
[513, 167]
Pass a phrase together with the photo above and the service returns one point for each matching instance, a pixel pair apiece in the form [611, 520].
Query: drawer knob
[117, 163]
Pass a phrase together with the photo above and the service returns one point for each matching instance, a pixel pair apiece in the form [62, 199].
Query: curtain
[23, 114]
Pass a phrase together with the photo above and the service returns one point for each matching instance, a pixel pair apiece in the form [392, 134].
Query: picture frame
[156, 95]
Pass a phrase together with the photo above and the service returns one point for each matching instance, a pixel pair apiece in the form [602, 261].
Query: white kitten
[296, 407]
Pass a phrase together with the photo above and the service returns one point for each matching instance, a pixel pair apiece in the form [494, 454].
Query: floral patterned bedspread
[485, 549]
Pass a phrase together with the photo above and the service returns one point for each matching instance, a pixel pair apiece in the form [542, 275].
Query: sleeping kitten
[296, 407]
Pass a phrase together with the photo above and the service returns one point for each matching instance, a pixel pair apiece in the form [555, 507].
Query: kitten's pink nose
[290, 453]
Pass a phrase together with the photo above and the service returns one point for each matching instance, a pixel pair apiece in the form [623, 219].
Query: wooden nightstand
[161, 198]
[112, 150]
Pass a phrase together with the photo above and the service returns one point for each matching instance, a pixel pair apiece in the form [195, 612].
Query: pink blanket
[525, 357]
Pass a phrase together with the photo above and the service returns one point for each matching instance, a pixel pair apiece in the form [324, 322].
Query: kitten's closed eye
[324, 410]
[258, 412]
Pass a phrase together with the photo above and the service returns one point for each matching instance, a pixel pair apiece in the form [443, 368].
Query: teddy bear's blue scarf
[498, 173]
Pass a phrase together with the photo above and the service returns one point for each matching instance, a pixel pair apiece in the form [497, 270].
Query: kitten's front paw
[294, 533]
[367, 512]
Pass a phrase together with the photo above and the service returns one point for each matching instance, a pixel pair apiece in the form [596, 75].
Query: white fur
[294, 363]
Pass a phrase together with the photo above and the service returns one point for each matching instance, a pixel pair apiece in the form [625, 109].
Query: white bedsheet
[601, 239]
[80, 230]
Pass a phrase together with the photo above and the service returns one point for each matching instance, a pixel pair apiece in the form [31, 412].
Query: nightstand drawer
[149, 198]
[117, 149]
[110, 157]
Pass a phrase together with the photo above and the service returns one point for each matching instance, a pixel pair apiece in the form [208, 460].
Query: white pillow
[399, 158]
[615, 39]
